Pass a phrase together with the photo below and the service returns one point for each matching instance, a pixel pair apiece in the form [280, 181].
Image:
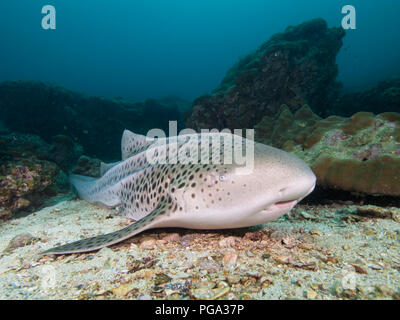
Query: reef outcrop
[31, 171]
[295, 67]
[358, 154]
[95, 123]
[384, 97]
[87, 166]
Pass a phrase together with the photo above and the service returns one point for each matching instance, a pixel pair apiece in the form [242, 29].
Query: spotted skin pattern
[153, 189]
[145, 191]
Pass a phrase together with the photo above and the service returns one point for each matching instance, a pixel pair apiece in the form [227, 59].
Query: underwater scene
[200, 150]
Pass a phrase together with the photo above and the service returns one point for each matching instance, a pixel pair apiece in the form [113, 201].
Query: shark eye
[222, 177]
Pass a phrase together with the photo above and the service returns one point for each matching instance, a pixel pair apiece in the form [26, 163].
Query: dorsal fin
[133, 143]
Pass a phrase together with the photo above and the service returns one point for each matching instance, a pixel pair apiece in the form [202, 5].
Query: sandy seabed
[315, 252]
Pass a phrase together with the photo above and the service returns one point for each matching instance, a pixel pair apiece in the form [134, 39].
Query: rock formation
[292, 68]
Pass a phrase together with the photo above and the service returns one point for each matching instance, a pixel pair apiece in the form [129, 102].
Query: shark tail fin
[95, 243]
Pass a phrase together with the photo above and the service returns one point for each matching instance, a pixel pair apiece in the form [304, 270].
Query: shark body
[214, 195]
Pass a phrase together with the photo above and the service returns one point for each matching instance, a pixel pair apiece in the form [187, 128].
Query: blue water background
[152, 48]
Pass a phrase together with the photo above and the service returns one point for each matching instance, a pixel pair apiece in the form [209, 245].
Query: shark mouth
[285, 204]
[288, 204]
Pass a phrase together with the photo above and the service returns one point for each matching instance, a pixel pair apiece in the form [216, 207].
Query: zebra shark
[155, 191]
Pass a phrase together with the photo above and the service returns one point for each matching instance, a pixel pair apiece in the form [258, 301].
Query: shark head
[225, 197]
[283, 180]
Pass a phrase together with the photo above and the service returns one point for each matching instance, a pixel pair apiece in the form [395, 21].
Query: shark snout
[301, 186]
